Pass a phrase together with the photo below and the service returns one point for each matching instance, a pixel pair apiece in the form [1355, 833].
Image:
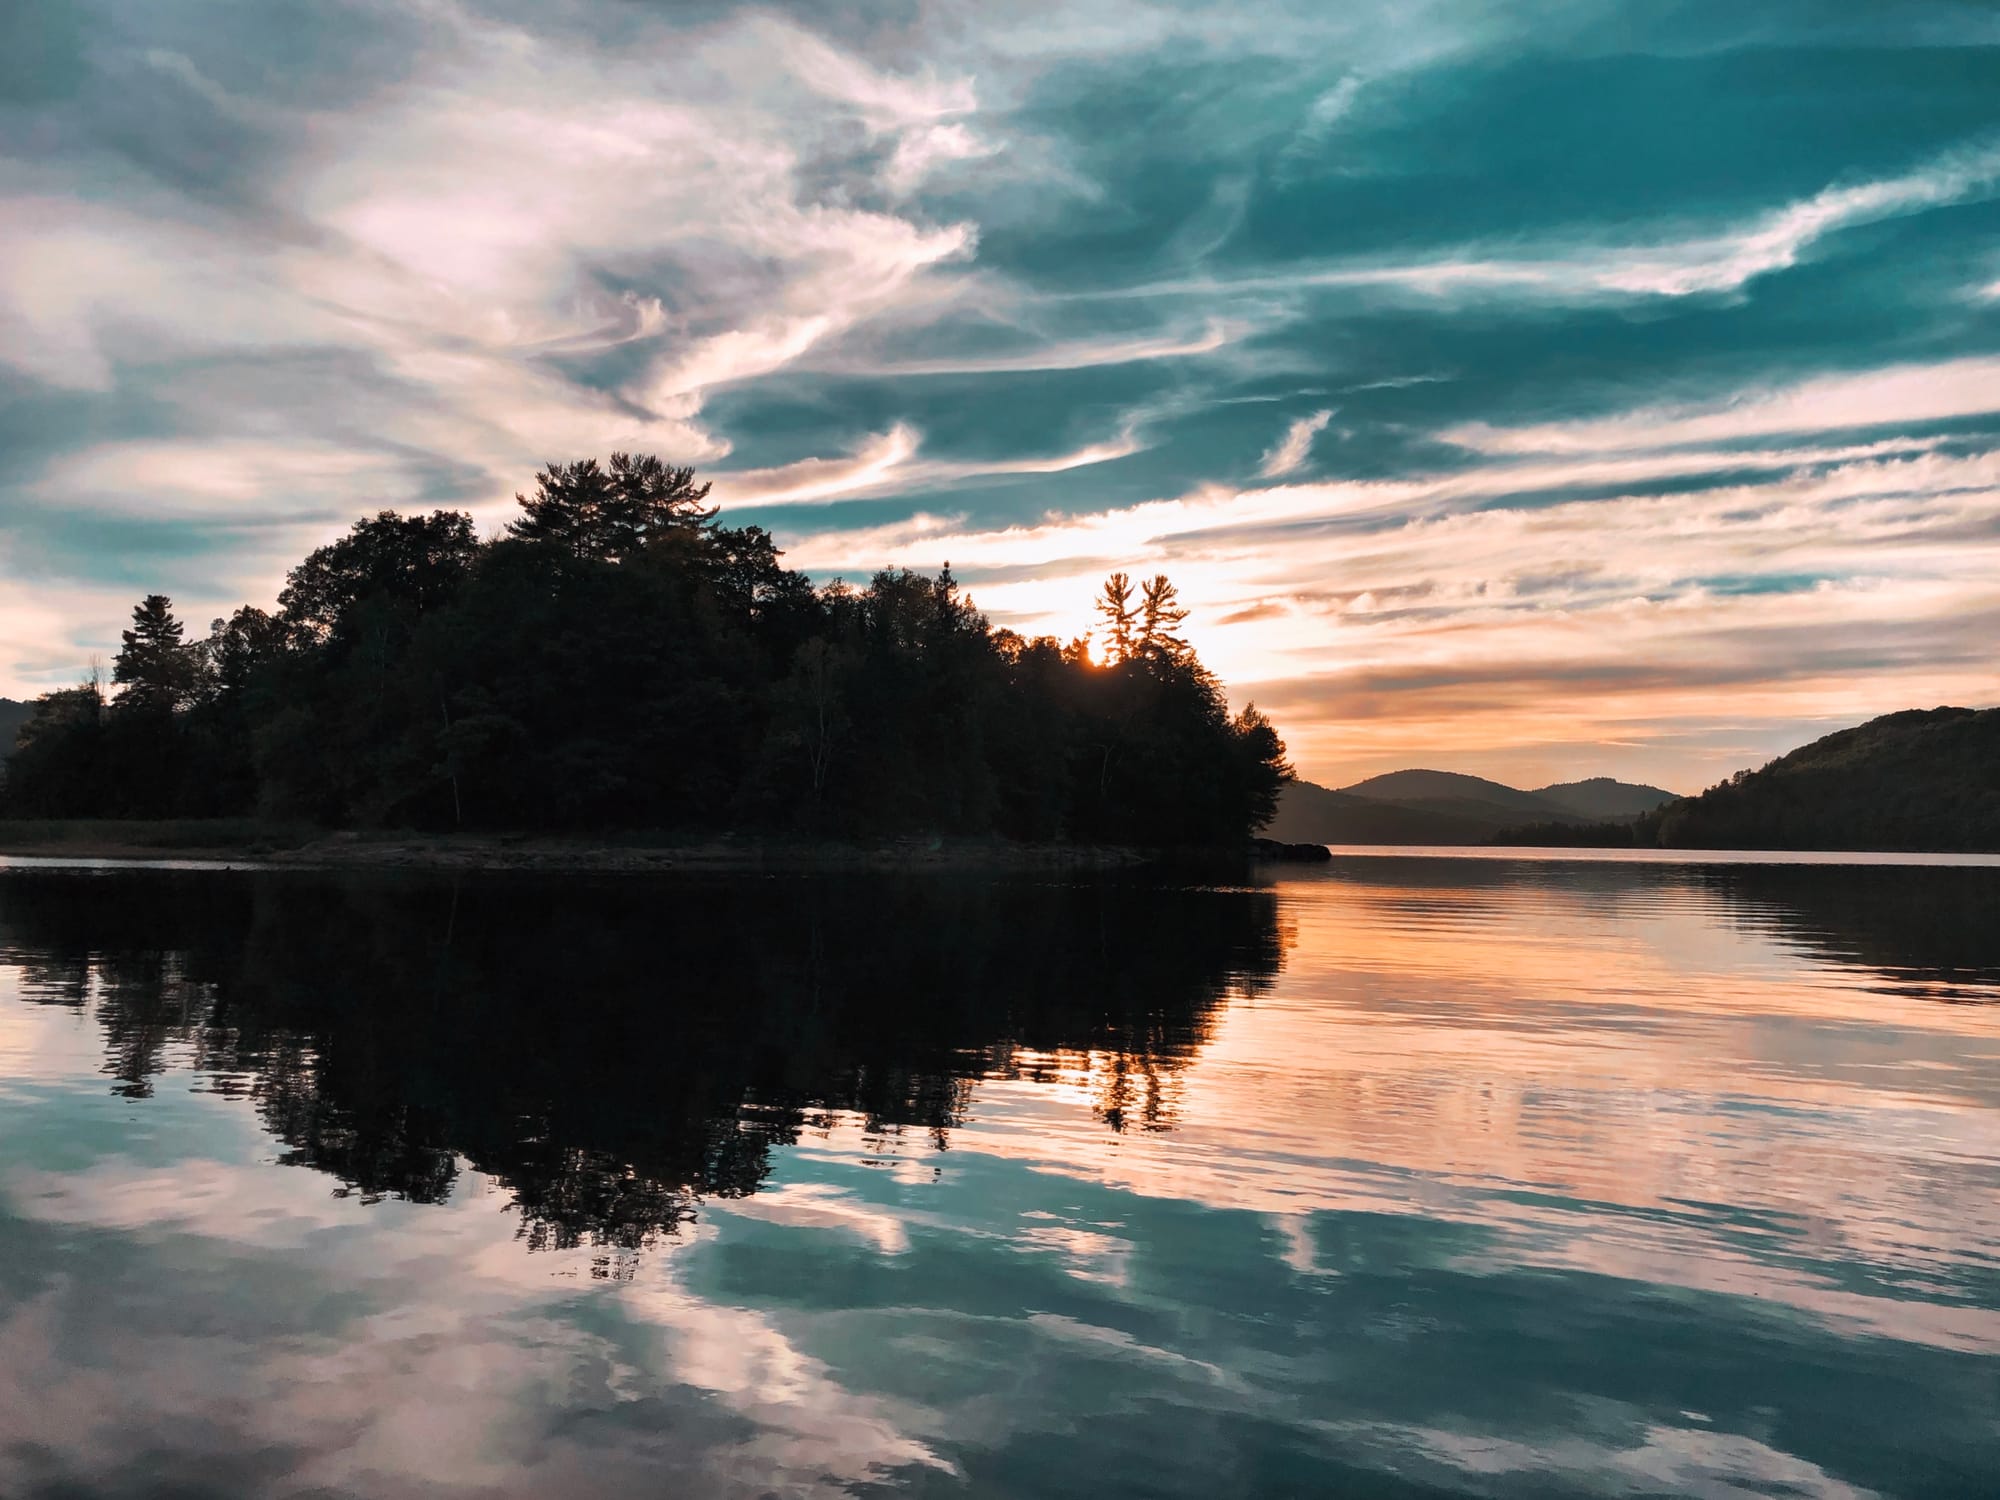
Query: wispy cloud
[1025, 288]
[1728, 261]
[1292, 450]
[1074, 354]
[1634, 261]
[1896, 396]
[889, 462]
[1841, 584]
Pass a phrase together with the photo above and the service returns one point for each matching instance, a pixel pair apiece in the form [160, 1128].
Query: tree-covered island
[619, 659]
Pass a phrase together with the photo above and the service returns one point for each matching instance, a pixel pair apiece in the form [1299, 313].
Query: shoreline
[236, 846]
[472, 852]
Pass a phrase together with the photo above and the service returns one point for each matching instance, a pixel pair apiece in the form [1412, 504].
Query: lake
[1403, 1176]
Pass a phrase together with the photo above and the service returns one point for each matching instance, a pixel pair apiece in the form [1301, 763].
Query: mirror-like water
[1404, 1177]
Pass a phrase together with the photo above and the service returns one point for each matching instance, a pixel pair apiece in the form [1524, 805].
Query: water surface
[1409, 1176]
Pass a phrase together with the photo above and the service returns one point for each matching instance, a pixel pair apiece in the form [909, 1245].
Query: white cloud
[458, 229]
[396, 305]
[1670, 263]
[416, 268]
[224, 478]
[81, 282]
[886, 100]
[922, 152]
[1072, 354]
[1891, 396]
[1334, 105]
[1293, 449]
[888, 463]
[876, 462]
[1727, 262]
[1835, 584]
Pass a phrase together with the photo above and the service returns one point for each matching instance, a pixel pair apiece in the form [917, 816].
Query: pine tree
[1115, 605]
[238, 644]
[156, 668]
[612, 513]
[1160, 613]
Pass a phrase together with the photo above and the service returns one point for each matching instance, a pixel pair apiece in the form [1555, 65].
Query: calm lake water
[1403, 1177]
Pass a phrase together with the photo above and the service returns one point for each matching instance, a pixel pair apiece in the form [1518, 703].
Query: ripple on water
[1493, 1176]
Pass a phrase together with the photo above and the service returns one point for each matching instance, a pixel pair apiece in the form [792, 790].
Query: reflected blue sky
[1523, 1180]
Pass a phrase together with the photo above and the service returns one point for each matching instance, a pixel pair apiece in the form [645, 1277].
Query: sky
[1535, 390]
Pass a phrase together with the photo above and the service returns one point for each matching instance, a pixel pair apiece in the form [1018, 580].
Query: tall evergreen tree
[1120, 617]
[1160, 615]
[154, 666]
[610, 514]
[239, 645]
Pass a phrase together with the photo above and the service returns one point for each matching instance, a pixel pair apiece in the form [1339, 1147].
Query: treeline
[619, 659]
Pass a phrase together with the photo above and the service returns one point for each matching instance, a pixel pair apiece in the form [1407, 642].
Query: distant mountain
[1309, 814]
[1602, 799]
[12, 716]
[1483, 806]
[1924, 779]
[1444, 786]
[1445, 807]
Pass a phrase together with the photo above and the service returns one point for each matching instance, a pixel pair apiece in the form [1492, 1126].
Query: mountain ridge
[1606, 798]
[1418, 786]
[1423, 806]
[1918, 780]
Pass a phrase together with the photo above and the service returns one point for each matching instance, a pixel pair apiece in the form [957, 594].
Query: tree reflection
[617, 1050]
[1933, 930]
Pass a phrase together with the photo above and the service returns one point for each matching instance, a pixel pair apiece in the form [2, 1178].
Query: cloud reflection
[1492, 1116]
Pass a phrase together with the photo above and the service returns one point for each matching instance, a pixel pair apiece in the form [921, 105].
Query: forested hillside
[620, 659]
[1923, 779]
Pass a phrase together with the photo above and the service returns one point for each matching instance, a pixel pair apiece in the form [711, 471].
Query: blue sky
[1536, 390]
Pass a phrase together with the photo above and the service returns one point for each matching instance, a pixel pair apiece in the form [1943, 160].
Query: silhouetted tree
[55, 770]
[154, 665]
[403, 566]
[1160, 616]
[612, 513]
[1114, 604]
[620, 660]
[237, 646]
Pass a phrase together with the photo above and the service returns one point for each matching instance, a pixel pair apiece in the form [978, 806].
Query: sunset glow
[1533, 395]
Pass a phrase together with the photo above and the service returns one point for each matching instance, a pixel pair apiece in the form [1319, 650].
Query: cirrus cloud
[1659, 385]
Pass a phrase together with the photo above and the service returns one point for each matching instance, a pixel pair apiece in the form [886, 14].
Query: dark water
[1408, 1177]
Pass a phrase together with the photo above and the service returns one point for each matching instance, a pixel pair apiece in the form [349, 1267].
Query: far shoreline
[1649, 854]
[241, 844]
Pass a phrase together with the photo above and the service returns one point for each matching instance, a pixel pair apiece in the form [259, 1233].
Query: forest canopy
[619, 658]
[1921, 779]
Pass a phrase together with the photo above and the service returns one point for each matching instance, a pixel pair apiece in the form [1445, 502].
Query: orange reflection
[1643, 1076]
